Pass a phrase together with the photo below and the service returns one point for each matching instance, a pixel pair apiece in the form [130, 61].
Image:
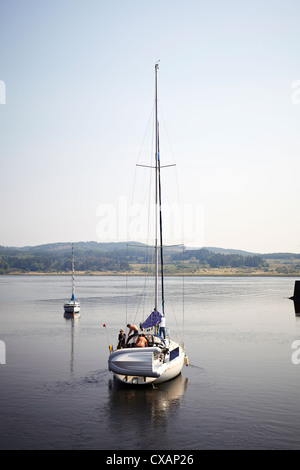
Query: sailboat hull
[72, 307]
[174, 368]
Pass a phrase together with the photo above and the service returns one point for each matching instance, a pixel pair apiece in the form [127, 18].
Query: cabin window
[174, 354]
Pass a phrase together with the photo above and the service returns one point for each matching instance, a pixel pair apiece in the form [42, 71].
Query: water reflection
[153, 405]
[73, 323]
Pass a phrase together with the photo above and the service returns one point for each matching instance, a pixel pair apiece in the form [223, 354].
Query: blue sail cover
[152, 320]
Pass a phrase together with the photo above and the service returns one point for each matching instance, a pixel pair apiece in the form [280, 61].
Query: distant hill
[56, 257]
[248, 253]
[228, 251]
[206, 257]
[65, 247]
[120, 257]
[286, 256]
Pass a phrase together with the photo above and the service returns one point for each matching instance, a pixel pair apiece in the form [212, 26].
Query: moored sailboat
[72, 307]
[163, 358]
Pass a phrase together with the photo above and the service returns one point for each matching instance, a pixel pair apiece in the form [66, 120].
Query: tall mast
[156, 193]
[73, 275]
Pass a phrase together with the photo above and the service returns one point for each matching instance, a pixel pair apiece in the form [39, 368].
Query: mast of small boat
[73, 274]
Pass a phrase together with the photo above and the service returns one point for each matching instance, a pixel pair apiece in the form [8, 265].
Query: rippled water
[241, 390]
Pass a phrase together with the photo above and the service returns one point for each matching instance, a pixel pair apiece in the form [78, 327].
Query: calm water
[241, 390]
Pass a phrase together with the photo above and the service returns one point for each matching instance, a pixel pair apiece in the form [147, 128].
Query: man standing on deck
[162, 327]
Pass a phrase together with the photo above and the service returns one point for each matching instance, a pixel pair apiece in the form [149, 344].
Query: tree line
[119, 260]
[61, 263]
[220, 260]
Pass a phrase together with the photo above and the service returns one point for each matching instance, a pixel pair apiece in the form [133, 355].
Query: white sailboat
[163, 358]
[72, 307]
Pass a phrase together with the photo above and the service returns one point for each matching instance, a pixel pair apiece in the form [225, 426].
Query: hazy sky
[76, 93]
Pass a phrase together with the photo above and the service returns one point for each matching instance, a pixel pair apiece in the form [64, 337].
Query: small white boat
[72, 307]
[163, 358]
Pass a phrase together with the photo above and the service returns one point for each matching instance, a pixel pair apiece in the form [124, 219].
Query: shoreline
[138, 274]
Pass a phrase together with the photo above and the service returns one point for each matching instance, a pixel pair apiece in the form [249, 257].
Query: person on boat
[162, 327]
[133, 329]
[121, 339]
[141, 341]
